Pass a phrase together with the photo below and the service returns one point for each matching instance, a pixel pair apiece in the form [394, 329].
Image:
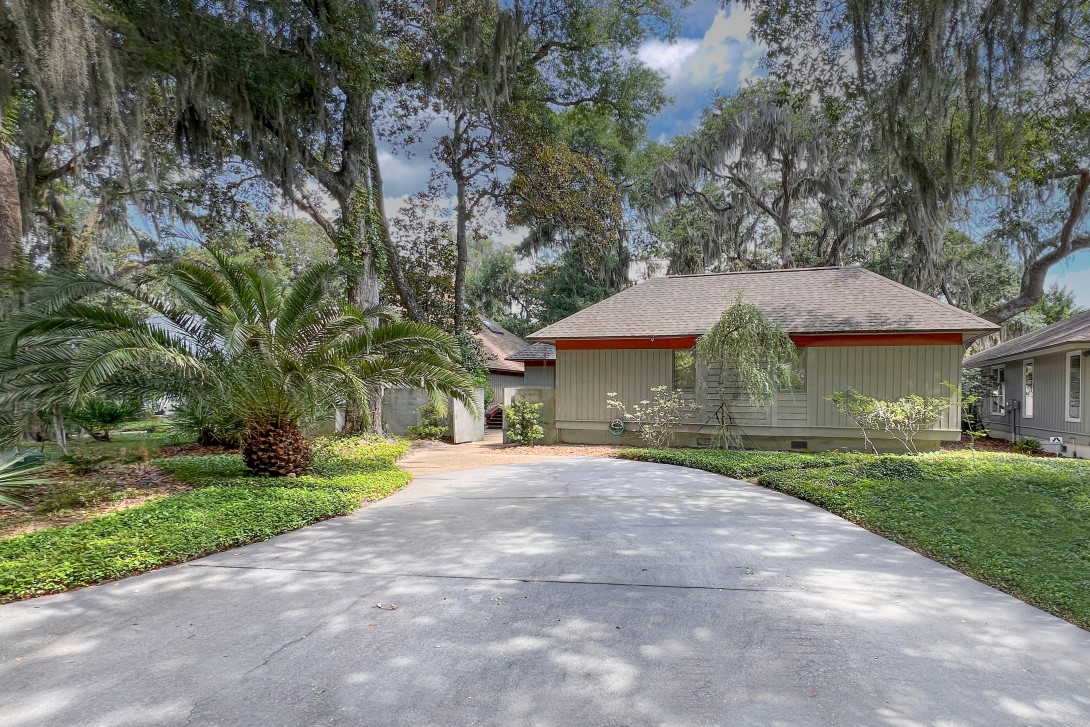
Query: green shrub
[433, 423]
[100, 416]
[208, 419]
[902, 418]
[523, 421]
[1027, 445]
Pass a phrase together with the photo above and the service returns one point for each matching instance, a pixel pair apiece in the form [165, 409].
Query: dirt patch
[69, 498]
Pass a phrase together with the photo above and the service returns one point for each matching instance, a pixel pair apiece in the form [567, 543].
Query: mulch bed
[986, 444]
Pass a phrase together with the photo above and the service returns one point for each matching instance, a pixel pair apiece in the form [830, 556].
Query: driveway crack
[323, 622]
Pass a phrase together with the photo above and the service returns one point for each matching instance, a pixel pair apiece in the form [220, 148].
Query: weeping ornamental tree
[751, 351]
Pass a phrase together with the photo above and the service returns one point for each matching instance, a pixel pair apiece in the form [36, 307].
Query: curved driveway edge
[579, 591]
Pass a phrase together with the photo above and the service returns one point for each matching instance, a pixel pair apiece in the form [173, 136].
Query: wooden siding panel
[584, 378]
[540, 377]
[884, 372]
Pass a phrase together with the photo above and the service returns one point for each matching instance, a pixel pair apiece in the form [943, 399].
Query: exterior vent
[704, 442]
[799, 444]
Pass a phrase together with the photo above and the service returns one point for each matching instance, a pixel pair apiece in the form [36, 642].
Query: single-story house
[1039, 381]
[499, 343]
[855, 329]
[539, 360]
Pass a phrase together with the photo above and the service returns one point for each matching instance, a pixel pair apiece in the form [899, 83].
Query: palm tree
[227, 331]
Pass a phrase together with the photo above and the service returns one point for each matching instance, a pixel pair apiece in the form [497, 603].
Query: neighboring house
[498, 344]
[1039, 385]
[854, 328]
[540, 365]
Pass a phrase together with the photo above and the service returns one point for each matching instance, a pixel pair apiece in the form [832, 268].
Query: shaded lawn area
[125, 446]
[1018, 523]
[225, 509]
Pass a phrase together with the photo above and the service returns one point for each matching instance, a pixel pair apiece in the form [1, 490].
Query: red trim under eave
[802, 341]
[879, 339]
[596, 344]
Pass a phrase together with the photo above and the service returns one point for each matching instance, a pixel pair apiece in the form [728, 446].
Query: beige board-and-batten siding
[584, 379]
[1049, 399]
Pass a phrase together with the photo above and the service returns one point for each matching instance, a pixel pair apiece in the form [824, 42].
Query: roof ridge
[755, 272]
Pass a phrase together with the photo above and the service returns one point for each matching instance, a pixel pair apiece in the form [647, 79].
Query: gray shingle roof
[802, 300]
[1073, 330]
[536, 352]
[499, 343]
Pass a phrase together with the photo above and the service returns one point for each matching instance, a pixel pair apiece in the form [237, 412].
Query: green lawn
[1020, 524]
[225, 509]
[123, 445]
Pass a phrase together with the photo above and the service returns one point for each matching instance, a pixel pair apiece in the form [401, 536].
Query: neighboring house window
[1027, 389]
[684, 369]
[999, 389]
[1074, 387]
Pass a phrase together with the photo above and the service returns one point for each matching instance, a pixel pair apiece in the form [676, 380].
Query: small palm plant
[227, 331]
[18, 473]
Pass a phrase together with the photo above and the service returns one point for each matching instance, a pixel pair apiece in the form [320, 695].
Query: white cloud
[726, 55]
[667, 57]
[1077, 281]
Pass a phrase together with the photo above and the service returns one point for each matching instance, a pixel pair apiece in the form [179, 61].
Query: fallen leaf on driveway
[389, 607]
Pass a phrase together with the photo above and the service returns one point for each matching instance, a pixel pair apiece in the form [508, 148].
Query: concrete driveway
[570, 592]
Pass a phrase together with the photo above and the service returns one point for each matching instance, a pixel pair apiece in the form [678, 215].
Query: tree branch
[1036, 270]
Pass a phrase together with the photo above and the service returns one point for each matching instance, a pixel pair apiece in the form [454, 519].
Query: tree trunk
[462, 213]
[59, 434]
[393, 261]
[11, 218]
[375, 406]
[787, 258]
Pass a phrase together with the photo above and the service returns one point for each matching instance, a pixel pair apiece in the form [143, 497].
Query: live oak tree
[768, 178]
[981, 101]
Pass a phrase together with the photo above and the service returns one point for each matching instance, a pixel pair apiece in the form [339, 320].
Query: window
[684, 369]
[1074, 387]
[999, 389]
[1027, 389]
